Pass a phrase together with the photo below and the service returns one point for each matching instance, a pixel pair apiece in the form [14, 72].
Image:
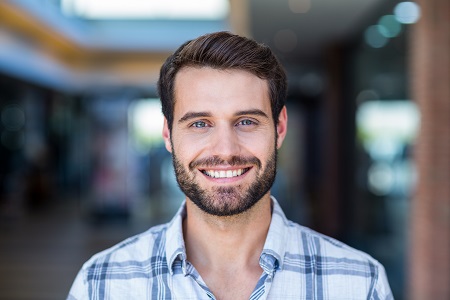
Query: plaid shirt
[297, 263]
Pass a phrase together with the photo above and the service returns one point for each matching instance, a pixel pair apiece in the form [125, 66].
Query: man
[223, 102]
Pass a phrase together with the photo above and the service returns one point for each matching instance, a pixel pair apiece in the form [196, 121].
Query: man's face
[223, 139]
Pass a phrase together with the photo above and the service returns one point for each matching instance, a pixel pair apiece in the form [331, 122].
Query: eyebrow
[203, 114]
[256, 112]
[193, 115]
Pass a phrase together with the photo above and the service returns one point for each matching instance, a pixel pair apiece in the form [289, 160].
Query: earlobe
[282, 127]
[166, 136]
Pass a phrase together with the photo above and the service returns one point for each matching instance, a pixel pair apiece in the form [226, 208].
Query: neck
[221, 243]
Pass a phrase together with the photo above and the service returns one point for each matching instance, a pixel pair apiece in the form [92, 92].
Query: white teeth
[224, 174]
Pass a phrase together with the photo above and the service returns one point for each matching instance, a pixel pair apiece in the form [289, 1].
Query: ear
[166, 136]
[282, 127]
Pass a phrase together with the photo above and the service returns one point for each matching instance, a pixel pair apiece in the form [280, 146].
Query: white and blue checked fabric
[297, 263]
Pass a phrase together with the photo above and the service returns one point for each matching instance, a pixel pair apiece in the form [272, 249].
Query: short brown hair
[223, 50]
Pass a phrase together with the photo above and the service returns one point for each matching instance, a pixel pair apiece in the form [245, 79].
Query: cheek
[184, 150]
[258, 143]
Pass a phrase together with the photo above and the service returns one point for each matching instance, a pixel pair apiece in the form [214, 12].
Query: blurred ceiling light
[391, 26]
[285, 40]
[299, 6]
[146, 9]
[407, 12]
[374, 36]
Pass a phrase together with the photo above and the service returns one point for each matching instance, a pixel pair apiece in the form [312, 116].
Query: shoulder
[137, 249]
[301, 248]
[313, 243]
[341, 270]
[124, 269]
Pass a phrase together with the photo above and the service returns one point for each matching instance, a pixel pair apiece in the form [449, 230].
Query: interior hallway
[41, 253]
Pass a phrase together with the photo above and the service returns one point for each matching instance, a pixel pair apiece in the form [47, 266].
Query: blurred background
[83, 166]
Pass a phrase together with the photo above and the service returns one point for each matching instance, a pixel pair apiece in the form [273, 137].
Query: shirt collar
[271, 257]
[175, 248]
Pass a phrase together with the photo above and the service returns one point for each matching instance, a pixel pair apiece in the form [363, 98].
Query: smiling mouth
[225, 173]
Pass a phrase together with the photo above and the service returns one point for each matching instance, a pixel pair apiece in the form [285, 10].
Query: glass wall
[386, 126]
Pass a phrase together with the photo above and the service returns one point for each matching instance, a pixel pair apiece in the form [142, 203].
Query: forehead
[219, 90]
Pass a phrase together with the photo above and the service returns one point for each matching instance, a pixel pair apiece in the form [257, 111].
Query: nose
[225, 142]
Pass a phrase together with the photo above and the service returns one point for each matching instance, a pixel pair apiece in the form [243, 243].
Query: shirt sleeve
[382, 290]
[79, 289]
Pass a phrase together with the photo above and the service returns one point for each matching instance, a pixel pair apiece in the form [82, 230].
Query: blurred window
[146, 124]
[387, 129]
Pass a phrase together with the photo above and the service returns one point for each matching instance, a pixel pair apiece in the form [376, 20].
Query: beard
[226, 200]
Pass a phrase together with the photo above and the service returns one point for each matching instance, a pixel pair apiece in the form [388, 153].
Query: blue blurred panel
[130, 35]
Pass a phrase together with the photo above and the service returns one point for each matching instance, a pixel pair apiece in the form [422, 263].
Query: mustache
[214, 161]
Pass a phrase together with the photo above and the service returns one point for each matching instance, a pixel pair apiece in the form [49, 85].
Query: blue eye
[199, 124]
[246, 122]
